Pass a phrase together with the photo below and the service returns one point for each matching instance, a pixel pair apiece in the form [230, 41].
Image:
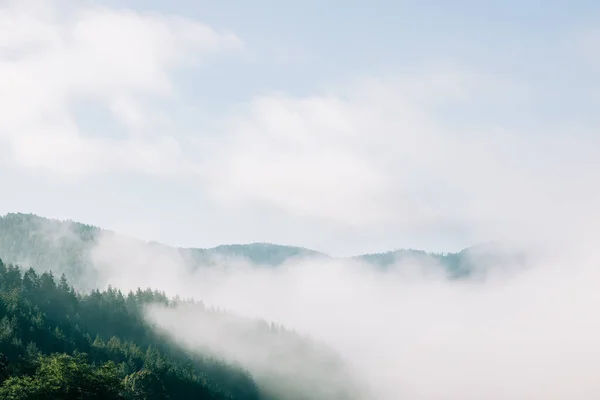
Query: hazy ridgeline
[92, 257]
[405, 324]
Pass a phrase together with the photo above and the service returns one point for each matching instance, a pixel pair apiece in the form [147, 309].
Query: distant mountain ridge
[67, 247]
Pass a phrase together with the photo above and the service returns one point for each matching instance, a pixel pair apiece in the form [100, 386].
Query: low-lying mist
[527, 331]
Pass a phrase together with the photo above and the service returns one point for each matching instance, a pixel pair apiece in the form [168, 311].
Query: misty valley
[299, 200]
[71, 327]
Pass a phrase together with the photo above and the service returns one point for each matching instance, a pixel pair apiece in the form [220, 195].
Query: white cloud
[406, 151]
[53, 58]
[325, 156]
[420, 149]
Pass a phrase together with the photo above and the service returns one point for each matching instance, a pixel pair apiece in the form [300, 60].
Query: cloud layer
[90, 90]
[380, 153]
[58, 62]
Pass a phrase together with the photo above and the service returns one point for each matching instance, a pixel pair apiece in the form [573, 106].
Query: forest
[62, 338]
[58, 344]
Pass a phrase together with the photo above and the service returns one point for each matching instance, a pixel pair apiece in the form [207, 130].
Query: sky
[347, 127]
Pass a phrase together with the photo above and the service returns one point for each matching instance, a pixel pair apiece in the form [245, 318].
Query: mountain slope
[70, 247]
[56, 343]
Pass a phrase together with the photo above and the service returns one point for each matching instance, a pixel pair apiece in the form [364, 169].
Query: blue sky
[343, 126]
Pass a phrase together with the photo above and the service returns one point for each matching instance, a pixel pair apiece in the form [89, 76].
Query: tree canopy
[59, 344]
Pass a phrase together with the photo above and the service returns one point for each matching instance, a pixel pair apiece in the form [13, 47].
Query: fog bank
[410, 332]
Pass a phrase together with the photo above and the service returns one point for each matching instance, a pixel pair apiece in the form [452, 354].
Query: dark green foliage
[3, 368]
[58, 344]
[61, 376]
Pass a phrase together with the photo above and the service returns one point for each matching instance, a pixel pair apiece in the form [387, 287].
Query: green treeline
[59, 344]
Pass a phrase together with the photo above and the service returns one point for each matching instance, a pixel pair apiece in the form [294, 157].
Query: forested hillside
[55, 344]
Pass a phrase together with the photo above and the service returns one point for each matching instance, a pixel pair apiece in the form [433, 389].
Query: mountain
[72, 248]
[56, 343]
[263, 253]
[68, 247]
[57, 340]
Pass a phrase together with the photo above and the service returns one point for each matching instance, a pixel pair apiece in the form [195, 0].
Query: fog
[513, 329]
[408, 332]
[449, 139]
